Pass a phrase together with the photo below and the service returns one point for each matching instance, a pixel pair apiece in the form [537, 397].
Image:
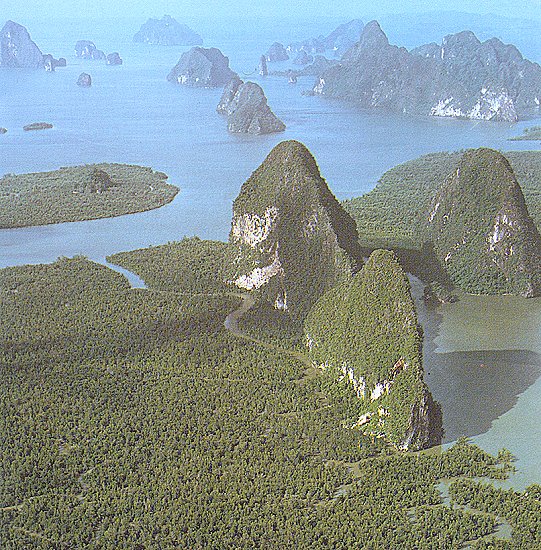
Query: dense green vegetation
[394, 213]
[365, 332]
[481, 231]
[81, 193]
[190, 265]
[131, 419]
[529, 134]
[285, 215]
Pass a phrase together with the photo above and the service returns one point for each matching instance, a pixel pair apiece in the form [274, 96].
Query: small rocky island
[277, 52]
[114, 59]
[247, 111]
[86, 49]
[37, 126]
[18, 50]
[167, 31]
[81, 193]
[202, 68]
[461, 78]
[84, 80]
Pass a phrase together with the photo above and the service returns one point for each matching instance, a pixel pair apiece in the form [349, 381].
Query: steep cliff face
[17, 49]
[202, 68]
[365, 334]
[481, 229]
[462, 77]
[294, 239]
[247, 111]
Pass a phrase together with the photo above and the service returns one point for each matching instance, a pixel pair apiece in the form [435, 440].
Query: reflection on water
[482, 360]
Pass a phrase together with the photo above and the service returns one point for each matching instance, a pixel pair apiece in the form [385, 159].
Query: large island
[81, 193]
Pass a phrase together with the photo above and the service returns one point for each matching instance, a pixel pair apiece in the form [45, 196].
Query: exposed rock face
[262, 69]
[276, 52]
[50, 63]
[481, 229]
[338, 41]
[85, 49]
[202, 67]
[17, 50]
[365, 333]
[84, 80]
[167, 32]
[245, 105]
[294, 239]
[114, 59]
[461, 78]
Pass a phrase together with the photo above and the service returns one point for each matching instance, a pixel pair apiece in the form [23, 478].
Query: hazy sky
[29, 9]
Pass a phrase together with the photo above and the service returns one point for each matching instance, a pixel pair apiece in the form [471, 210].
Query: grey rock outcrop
[50, 63]
[167, 32]
[37, 126]
[17, 50]
[85, 49]
[303, 58]
[263, 69]
[462, 78]
[276, 52]
[247, 111]
[84, 80]
[203, 68]
[337, 42]
[114, 59]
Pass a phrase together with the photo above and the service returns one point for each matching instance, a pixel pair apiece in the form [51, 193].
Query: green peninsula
[81, 193]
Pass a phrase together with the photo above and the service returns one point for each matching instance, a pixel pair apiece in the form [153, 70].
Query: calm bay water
[481, 353]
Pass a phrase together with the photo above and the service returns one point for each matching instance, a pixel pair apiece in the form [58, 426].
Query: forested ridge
[130, 418]
[394, 213]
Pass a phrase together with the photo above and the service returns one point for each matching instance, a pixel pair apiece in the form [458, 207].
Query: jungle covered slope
[285, 219]
[132, 418]
[365, 332]
[81, 193]
[481, 230]
[395, 213]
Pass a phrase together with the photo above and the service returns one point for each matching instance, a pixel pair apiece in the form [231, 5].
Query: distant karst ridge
[462, 78]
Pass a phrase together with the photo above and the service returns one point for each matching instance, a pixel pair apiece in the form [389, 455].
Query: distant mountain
[414, 29]
[337, 42]
[462, 77]
[17, 50]
[481, 230]
[247, 111]
[202, 68]
[294, 239]
[167, 32]
[365, 333]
